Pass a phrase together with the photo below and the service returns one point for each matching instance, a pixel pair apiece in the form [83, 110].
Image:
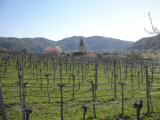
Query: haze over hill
[38, 45]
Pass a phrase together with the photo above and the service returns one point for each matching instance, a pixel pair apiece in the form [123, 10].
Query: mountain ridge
[39, 44]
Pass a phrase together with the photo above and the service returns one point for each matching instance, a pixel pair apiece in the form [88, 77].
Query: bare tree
[154, 29]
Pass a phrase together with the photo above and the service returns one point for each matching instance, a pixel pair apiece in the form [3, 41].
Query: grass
[39, 87]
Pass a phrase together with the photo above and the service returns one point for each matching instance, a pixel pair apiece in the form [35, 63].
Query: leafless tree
[154, 29]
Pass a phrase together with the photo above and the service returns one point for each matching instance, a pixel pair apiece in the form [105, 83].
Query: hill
[147, 43]
[32, 45]
[38, 45]
[94, 43]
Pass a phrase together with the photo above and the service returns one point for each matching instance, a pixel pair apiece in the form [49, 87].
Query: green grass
[107, 106]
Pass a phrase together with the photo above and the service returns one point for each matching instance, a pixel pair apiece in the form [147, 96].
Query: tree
[53, 50]
[154, 29]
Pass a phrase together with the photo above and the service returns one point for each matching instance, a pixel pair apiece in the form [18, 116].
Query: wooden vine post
[37, 73]
[115, 80]
[41, 79]
[22, 90]
[93, 98]
[48, 83]
[83, 71]
[2, 106]
[85, 108]
[120, 71]
[60, 65]
[22, 85]
[138, 76]
[122, 85]
[147, 90]
[132, 79]
[96, 75]
[73, 87]
[152, 80]
[138, 105]
[61, 92]
[28, 111]
[126, 71]
[55, 69]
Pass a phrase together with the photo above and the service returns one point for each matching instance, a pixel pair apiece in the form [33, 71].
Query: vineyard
[43, 87]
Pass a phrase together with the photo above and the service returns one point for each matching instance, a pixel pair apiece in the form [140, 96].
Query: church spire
[81, 42]
[81, 46]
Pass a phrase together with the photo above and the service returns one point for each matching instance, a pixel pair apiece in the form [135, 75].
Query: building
[82, 46]
[82, 49]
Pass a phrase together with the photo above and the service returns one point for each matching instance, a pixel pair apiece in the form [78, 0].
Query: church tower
[81, 46]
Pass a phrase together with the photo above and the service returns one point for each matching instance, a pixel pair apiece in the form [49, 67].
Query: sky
[57, 19]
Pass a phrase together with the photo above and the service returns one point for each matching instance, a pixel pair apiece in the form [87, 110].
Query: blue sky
[57, 19]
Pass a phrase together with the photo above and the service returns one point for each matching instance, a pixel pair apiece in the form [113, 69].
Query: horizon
[56, 20]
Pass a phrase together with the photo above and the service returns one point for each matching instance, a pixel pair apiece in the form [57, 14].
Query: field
[42, 87]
